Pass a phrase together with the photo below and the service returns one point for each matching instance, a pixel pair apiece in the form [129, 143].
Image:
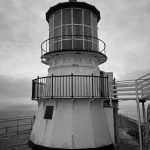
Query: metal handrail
[72, 37]
[16, 125]
[70, 86]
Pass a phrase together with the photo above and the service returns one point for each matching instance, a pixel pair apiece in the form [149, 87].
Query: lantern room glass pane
[87, 45]
[51, 37]
[95, 47]
[78, 44]
[77, 16]
[51, 47]
[51, 23]
[87, 33]
[95, 40]
[66, 32]
[94, 21]
[57, 45]
[66, 16]
[87, 18]
[77, 30]
[57, 19]
[67, 44]
[57, 33]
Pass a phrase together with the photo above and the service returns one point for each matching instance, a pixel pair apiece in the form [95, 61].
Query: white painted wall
[80, 123]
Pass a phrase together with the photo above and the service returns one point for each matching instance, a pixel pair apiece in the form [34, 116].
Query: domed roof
[70, 4]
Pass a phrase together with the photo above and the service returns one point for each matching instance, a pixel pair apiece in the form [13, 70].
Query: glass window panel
[51, 23]
[94, 21]
[87, 18]
[57, 34]
[88, 33]
[51, 37]
[77, 16]
[77, 44]
[77, 30]
[95, 40]
[66, 30]
[57, 19]
[57, 45]
[66, 16]
[51, 47]
[67, 44]
[87, 45]
[95, 47]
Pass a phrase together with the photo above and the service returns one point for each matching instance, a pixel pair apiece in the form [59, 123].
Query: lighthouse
[74, 109]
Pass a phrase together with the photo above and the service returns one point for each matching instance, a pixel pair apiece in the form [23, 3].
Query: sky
[124, 27]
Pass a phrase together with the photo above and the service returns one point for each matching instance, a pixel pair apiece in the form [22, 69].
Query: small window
[49, 112]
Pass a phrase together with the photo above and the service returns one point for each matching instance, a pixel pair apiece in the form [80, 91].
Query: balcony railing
[73, 42]
[70, 86]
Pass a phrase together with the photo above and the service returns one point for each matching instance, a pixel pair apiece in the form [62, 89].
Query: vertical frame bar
[92, 88]
[52, 86]
[72, 84]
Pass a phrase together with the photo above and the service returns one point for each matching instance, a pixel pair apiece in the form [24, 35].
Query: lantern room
[73, 27]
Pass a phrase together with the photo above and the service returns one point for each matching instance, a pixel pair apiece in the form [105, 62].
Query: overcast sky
[124, 27]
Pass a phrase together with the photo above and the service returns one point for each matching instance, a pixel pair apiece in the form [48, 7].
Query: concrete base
[38, 147]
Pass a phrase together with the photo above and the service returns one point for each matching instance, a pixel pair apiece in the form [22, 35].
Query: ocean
[17, 110]
[127, 108]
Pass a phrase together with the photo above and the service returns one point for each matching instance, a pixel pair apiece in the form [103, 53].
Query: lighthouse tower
[74, 111]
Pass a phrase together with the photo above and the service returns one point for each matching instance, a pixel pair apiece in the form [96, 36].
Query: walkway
[19, 142]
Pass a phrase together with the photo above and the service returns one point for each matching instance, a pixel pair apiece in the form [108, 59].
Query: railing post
[33, 89]
[92, 88]
[52, 86]
[31, 123]
[72, 84]
[107, 83]
[38, 87]
[139, 118]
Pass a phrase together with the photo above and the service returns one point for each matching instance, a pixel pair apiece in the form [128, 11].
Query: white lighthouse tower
[73, 100]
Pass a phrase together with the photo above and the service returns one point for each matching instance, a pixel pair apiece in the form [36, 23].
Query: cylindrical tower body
[71, 113]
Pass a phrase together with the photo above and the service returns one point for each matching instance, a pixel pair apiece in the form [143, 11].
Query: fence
[70, 86]
[16, 125]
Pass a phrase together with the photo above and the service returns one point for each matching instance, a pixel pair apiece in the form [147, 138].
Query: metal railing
[70, 86]
[84, 42]
[16, 125]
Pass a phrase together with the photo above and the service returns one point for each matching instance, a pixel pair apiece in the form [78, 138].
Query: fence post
[38, 88]
[33, 88]
[31, 123]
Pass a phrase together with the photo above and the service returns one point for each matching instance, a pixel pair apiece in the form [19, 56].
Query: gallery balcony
[70, 86]
[67, 43]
